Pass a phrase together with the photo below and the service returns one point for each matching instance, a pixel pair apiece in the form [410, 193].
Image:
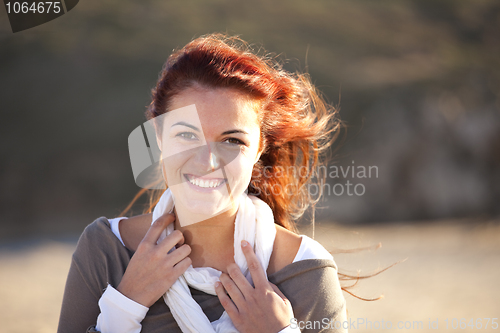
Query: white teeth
[204, 183]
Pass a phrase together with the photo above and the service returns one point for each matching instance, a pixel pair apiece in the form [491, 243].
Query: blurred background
[417, 83]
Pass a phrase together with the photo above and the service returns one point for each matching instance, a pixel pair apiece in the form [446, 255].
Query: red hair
[296, 124]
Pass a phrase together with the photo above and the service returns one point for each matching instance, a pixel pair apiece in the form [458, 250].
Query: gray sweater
[312, 286]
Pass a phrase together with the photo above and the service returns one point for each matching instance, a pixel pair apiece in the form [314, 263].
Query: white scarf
[255, 224]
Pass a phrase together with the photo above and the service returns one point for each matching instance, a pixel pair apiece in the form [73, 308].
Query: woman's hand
[152, 270]
[261, 309]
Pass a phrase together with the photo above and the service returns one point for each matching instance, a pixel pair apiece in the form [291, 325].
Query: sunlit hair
[297, 125]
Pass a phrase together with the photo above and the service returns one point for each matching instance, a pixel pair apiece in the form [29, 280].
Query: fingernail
[244, 243]
[217, 284]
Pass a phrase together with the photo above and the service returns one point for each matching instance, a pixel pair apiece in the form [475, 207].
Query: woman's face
[209, 144]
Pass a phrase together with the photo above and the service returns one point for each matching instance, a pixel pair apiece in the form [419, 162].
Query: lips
[207, 183]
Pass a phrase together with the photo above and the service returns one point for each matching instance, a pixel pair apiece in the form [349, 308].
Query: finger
[178, 254]
[175, 237]
[157, 227]
[240, 280]
[225, 301]
[181, 242]
[278, 291]
[181, 267]
[258, 275]
[233, 290]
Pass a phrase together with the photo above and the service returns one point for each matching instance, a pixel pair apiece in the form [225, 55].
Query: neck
[211, 240]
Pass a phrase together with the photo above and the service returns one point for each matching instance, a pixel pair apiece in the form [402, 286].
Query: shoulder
[286, 246]
[96, 232]
[312, 249]
[133, 229]
[98, 255]
[97, 244]
[307, 259]
[290, 247]
[99, 258]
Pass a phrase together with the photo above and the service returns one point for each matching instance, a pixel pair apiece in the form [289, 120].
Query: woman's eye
[234, 141]
[187, 136]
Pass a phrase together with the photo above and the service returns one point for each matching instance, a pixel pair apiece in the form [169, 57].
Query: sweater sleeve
[99, 260]
[329, 309]
[79, 308]
[313, 288]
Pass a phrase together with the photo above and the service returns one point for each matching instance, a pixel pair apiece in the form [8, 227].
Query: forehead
[219, 109]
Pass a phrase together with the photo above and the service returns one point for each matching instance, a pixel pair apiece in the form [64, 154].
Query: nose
[208, 158]
[214, 161]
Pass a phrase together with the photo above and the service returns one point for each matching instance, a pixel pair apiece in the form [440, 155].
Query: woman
[240, 138]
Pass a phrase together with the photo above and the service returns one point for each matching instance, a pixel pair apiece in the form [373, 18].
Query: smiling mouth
[204, 183]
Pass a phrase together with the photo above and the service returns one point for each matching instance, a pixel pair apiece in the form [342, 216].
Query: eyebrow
[182, 123]
[185, 124]
[234, 131]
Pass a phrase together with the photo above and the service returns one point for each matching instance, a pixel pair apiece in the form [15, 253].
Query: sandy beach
[451, 272]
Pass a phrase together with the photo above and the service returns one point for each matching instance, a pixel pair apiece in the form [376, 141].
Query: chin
[206, 207]
[206, 202]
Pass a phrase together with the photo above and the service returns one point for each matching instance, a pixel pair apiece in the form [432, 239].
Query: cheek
[240, 170]
[174, 162]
